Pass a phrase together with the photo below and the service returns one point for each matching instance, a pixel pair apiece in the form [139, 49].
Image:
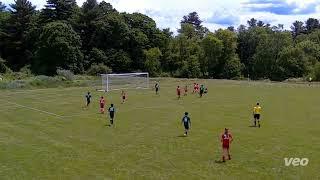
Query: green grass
[145, 142]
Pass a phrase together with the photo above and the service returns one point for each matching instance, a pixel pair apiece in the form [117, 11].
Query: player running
[186, 123]
[112, 111]
[201, 90]
[257, 114]
[186, 90]
[123, 96]
[102, 103]
[226, 139]
[310, 81]
[157, 86]
[88, 98]
[178, 92]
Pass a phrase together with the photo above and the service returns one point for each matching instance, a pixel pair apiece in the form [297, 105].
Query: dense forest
[96, 38]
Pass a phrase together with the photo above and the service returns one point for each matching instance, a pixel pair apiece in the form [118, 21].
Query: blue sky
[216, 13]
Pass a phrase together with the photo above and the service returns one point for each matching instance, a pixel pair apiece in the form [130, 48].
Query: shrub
[65, 74]
[3, 67]
[26, 71]
[165, 74]
[316, 72]
[17, 84]
[97, 69]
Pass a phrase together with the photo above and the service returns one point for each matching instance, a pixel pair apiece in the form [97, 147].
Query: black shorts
[88, 102]
[111, 115]
[123, 97]
[157, 89]
[186, 126]
[256, 116]
[201, 92]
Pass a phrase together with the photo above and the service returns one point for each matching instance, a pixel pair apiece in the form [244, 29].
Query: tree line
[96, 38]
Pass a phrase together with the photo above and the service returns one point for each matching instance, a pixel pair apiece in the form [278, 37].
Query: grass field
[46, 134]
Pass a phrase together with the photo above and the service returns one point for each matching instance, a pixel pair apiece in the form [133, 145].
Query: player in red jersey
[198, 88]
[123, 96]
[178, 92]
[102, 103]
[226, 139]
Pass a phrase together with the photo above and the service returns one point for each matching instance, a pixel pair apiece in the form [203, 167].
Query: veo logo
[296, 161]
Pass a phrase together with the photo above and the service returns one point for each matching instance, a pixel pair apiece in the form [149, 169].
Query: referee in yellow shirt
[257, 114]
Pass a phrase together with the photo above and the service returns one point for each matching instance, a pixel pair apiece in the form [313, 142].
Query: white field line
[34, 109]
[45, 90]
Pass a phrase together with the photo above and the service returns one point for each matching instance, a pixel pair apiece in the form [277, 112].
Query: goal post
[112, 82]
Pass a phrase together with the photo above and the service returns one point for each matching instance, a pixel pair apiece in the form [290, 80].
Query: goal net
[125, 81]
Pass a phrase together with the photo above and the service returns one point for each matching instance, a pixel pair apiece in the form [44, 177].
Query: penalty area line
[35, 109]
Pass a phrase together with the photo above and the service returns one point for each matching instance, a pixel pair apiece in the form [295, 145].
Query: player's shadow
[109, 125]
[182, 136]
[219, 161]
[252, 126]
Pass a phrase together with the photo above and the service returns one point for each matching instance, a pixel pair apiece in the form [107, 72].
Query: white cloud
[168, 13]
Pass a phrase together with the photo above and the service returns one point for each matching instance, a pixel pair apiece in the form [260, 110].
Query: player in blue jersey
[112, 111]
[186, 121]
[88, 98]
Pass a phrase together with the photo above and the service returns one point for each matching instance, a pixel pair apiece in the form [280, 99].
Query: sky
[216, 14]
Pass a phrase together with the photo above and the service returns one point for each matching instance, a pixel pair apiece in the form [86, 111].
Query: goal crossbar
[125, 81]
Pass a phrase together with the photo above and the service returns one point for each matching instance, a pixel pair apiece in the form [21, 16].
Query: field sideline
[46, 133]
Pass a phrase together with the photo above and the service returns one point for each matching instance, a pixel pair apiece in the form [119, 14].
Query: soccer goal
[112, 82]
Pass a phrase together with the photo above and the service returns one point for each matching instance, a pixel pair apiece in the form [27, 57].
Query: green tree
[297, 28]
[316, 72]
[212, 48]
[314, 36]
[119, 60]
[193, 19]
[96, 56]
[188, 30]
[2, 7]
[111, 31]
[98, 69]
[248, 40]
[312, 24]
[144, 34]
[190, 67]
[229, 59]
[311, 51]
[252, 23]
[267, 54]
[58, 10]
[291, 63]
[59, 47]
[152, 63]
[232, 68]
[89, 14]
[17, 50]
[4, 17]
